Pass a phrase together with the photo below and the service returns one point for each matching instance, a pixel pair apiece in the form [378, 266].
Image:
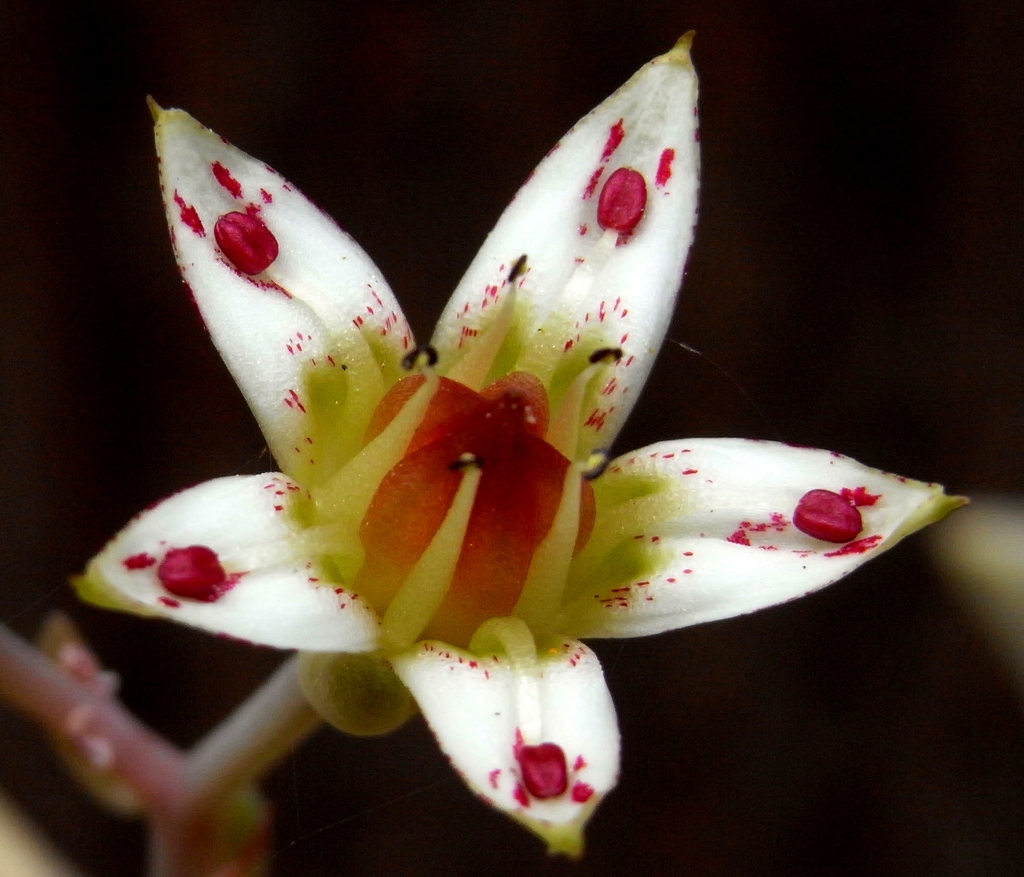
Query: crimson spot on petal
[544, 769]
[138, 561]
[194, 572]
[224, 177]
[248, 244]
[622, 201]
[825, 515]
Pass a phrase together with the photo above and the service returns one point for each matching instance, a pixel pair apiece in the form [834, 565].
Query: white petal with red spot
[484, 709]
[580, 291]
[712, 535]
[313, 305]
[168, 562]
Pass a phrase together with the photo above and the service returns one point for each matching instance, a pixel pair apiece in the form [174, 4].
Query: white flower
[448, 508]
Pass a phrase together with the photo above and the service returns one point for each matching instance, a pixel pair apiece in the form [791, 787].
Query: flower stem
[50, 697]
[274, 719]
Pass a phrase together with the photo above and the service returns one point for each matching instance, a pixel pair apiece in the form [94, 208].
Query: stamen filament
[345, 498]
[542, 359]
[622, 522]
[424, 589]
[563, 433]
[545, 582]
[512, 637]
[473, 368]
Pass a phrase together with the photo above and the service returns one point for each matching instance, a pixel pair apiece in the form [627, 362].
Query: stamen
[423, 357]
[606, 355]
[506, 636]
[423, 591]
[345, 498]
[512, 638]
[465, 461]
[595, 464]
[619, 523]
[549, 570]
[564, 432]
[475, 365]
[542, 359]
[518, 270]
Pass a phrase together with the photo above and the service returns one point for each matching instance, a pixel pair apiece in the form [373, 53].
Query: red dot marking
[189, 216]
[738, 538]
[664, 171]
[138, 561]
[167, 601]
[622, 200]
[519, 793]
[543, 769]
[266, 196]
[859, 496]
[581, 793]
[224, 177]
[595, 177]
[825, 515]
[247, 243]
[194, 572]
[858, 547]
[615, 135]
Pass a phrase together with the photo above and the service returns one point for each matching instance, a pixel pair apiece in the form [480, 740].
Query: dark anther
[518, 270]
[421, 356]
[606, 354]
[597, 462]
[466, 461]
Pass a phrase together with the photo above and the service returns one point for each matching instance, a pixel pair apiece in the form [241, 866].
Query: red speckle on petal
[138, 561]
[739, 537]
[189, 216]
[615, 135]
[543, 769]
[581, 793]
[825, 515]
[664, 171]
[622, 201]
[579, 763]
[194, 572]
[224, 177]
[168, 602]
[492, 777]
[858, 547]
[246, 242]
[519, 793]
[595, 177]
[859, 496]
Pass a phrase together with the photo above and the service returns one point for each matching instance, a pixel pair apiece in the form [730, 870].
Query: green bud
[357, 693]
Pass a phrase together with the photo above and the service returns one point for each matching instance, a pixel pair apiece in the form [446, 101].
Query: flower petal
[584, 288]
[506, 724]
[308, 311]
[228, 556]
[693, 531]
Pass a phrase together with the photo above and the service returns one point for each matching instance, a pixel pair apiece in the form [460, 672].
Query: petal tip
[155, 110]
[680, 52]
[932, 510]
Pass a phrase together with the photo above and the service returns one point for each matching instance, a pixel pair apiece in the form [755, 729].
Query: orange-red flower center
[521, 485]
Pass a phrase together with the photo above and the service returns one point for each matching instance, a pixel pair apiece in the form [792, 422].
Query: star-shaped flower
[447, 511]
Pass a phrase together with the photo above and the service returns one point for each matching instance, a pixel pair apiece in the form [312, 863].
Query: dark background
[857, 269]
